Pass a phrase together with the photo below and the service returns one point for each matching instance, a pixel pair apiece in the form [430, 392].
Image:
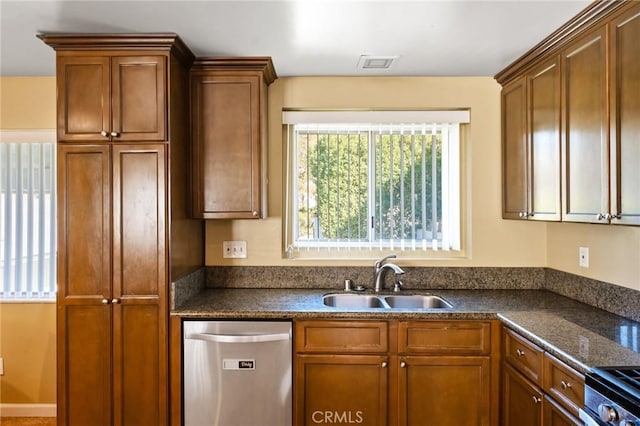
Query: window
[27, 215]
[374, 181]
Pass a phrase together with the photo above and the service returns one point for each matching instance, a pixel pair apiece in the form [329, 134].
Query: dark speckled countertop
[579, 334]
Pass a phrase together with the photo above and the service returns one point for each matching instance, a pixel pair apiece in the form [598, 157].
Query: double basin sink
[382, 301]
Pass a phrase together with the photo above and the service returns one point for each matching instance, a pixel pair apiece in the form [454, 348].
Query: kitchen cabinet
[229, 137]
[624, 72]
[537, 388]
[585, 139]
[445, 368]
[531, 145]
[414, 372]
[341, 372]
[111, 95]
[116, 249]
[598, 71]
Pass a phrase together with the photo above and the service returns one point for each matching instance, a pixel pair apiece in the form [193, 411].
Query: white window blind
[373, 180]
[27, 215]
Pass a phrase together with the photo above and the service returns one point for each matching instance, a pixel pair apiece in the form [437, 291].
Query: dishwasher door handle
[230, 338]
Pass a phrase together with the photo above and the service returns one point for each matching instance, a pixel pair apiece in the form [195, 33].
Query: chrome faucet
[380, 270]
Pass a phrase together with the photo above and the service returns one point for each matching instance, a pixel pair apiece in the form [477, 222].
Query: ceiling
[304, 37]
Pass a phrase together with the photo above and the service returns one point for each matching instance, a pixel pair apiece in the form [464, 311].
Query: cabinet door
[138, 98]
[585, 130]
[445, 390]
[139, 285]
[226, 146]
[341, 389]
[84, 274]
[514, 150]
[625, 118]
[521, 400]
[84, 98]
[544, 144]
[555, 415]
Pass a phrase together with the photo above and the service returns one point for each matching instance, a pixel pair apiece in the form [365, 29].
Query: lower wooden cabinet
[537, 388]
[444, 390]
[341, 389]
[521, 400]
[395, 373]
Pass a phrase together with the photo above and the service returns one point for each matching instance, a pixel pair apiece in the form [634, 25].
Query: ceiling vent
[375, 62]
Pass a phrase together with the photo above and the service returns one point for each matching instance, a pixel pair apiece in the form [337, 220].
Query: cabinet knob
[115, 134]
[384, 364]
[519, 352]
[255, 213]
[565, 385]
[536, 399]
[523, 215]
[600, 216]
[403, 364]
[105, 301]
[115, 301]
[104, 133]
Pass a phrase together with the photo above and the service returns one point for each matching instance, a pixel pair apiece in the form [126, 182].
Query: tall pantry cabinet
[124, 231]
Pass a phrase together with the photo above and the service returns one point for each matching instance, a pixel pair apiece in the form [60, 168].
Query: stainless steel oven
[612, 397]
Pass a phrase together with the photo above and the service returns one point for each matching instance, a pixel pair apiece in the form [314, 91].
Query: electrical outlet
[583, 257]
[234, 249]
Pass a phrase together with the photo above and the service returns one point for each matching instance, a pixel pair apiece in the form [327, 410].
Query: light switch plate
[234, 249]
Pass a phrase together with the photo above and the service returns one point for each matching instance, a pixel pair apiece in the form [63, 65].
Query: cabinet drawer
[444, 337]
[341, 336]
[523, 355]
[563, 383]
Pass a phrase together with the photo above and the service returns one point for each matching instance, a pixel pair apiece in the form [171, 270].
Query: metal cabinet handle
[519, 352]
[384, 364]
[115, 134]
[524, 215]
[105, 301]
[565, 385]
[600, 216]
[104, 133]
[403, 364]
[115, 301]
[536, 399]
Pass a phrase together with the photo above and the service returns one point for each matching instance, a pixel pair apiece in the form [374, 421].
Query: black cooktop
[620, 384]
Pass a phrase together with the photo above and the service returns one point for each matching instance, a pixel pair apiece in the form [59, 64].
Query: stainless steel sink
[417, 301]
[404, 301]
[351, 300]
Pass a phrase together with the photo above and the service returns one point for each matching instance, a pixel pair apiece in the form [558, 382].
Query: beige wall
[28, 346]
[28, 331]
[614, 251]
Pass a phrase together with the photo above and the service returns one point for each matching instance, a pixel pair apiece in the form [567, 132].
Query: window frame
[338, 250]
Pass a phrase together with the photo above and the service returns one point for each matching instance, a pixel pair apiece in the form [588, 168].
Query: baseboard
[27, 410]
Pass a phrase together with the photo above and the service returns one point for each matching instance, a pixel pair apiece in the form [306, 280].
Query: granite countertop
[579, 334]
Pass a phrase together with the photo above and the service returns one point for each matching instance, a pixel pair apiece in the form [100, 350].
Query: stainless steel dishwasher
[237, 373]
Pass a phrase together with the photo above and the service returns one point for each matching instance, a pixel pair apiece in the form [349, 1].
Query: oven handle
[588, 419]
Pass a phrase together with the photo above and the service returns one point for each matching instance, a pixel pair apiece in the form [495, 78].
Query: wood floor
[28, 421]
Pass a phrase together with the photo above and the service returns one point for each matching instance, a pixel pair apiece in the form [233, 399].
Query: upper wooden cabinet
[624, 33]
[593, 85]
[585, 132]
[229, 126]
[111, 96]
[531, 144]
